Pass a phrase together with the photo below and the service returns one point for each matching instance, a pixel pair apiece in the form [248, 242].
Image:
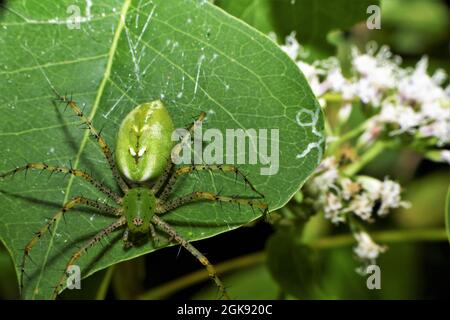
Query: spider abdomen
[144, 142]
[139, 206]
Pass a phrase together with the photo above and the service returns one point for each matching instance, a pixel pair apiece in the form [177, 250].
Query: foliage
[190, 55]
[380, 189]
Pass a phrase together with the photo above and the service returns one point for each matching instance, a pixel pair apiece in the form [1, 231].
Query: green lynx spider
[141, 154]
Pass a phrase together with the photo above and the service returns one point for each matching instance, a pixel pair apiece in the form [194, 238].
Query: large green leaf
[188, 53]
[312, 20]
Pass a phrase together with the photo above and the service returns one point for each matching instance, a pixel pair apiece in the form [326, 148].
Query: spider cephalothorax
[142, 149]
[139, 205]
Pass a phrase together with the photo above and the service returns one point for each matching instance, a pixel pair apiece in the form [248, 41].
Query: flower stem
[393, 236]
[368, 156]
[104, 285]
[201, 275]
[352, 133]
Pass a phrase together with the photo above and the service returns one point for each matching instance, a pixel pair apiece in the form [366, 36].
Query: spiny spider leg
[66, 207]
[208, 196]
[75, 172]
[126, 243]
[154, 236]
[176, 153]
[103, 233]
[196, 168]
[101, 142]
[197, 254]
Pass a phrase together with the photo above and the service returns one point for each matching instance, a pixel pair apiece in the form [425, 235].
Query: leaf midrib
[106, 75]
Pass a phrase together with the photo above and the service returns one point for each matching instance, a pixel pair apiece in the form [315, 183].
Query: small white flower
[333, 208]
[364, 64]
[370, 185]
[362, 206]
[445, 156]
[367, 249]
[327, 164]
[390, 197]
[402, 116]
[312, 76]
[349, 188]
[292, 47]
[335, 81]
[438, 129]
[345, 112]
[349, 91]
[367, 92]
[439, 77]
[435, 111]
[418, 86]
[325, 180]
[383, 77]
[371, 133]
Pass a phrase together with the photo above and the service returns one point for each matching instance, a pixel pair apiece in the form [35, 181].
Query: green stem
[328, 129]
[201, 275]
[391, 236]
[332, 97]
[355, 132]
[104, 285]
[368, 156]
[352, 133]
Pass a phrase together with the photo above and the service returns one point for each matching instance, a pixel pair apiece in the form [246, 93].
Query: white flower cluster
[403, 100]
[397, 101]
[364, 197]
[337, 196]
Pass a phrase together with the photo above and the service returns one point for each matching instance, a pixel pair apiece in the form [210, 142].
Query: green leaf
[447, 214]
[312, 20]
[188, 53]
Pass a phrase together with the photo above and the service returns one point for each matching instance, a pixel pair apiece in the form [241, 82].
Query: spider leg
[208, 196]
[176, 153]
[197, 254]
[74, 172]
[154, 236]
[101, 142]
[202, 167]
[126, 243]
[66, 207]
[94, 240]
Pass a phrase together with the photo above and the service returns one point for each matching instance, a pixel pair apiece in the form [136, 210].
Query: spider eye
[138, 222]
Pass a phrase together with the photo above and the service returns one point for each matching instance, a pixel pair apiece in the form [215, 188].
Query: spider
[143, 147]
